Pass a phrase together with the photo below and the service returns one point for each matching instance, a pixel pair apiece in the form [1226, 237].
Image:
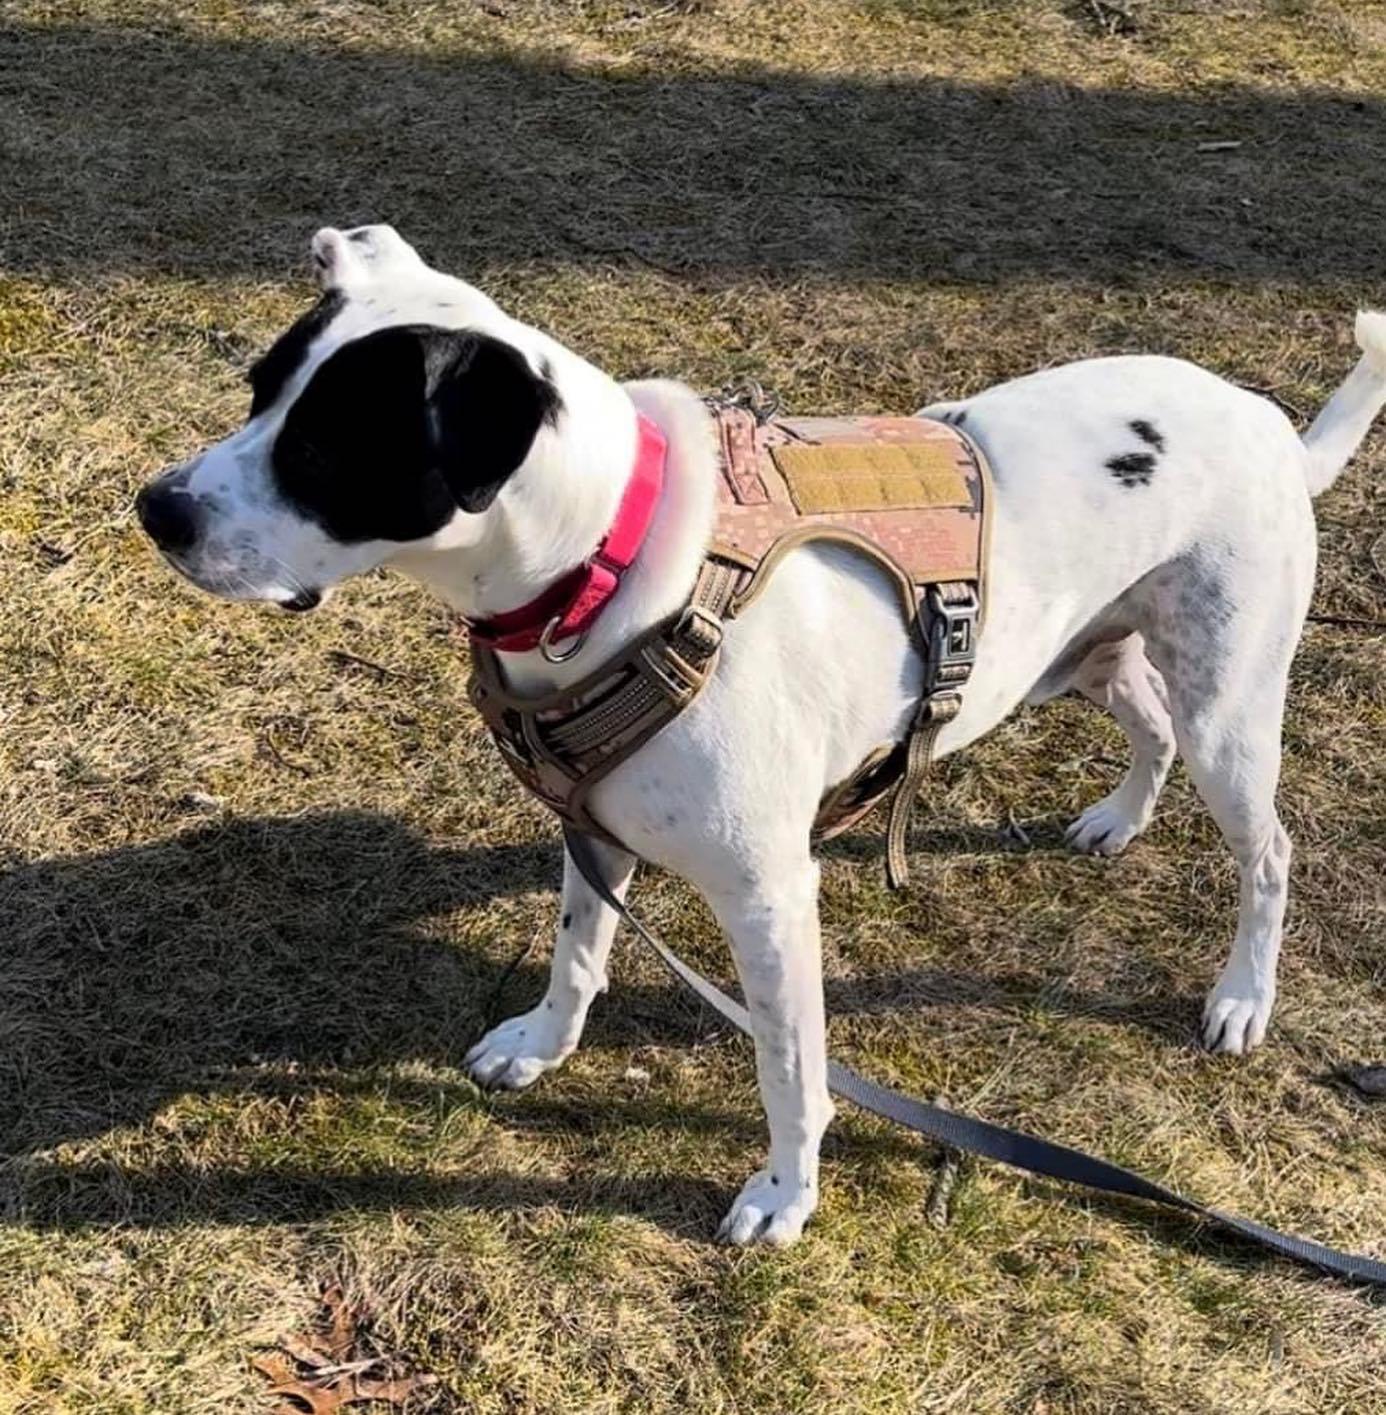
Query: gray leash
[977, 1137]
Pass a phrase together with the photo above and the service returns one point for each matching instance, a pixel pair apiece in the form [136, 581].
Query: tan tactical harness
[911, 495]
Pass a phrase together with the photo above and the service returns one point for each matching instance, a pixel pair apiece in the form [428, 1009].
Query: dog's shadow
[232, 955]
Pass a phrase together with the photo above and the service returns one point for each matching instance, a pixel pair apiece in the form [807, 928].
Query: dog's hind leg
[1119, 677]
[519, 1051]
[1223, 637]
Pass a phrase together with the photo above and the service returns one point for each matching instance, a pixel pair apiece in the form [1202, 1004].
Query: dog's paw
[1237, 1013]
[517, 1053]
[1107, 827]
[769, 1209]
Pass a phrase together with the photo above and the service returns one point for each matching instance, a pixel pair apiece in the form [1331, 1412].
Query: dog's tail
[1347, 415]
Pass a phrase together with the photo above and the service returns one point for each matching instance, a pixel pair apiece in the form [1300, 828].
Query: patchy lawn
[264, 882]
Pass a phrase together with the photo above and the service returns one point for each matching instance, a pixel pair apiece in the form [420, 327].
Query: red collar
[571, 605]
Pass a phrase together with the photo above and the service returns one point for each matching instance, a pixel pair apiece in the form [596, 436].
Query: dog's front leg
[773, 927]
[519, 1051]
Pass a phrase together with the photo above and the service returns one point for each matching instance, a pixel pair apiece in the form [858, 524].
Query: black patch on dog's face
[1149, 434]
[398, 430]
[1132, 468]
[273, 369]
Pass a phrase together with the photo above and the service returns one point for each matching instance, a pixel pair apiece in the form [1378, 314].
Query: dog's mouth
[239, 587]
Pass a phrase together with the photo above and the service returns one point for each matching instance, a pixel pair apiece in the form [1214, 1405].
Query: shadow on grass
[333, 942]
[79, 1196]
[156, 150]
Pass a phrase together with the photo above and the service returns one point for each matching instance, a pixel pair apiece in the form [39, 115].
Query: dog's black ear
[398, 429]
[483, 407]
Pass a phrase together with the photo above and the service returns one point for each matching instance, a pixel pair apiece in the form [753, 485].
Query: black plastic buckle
[952, 637]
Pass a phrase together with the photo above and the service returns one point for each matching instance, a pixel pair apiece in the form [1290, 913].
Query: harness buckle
[706, 636]
[952, 637]
[668, 658]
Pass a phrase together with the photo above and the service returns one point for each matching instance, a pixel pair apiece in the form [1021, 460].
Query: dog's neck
[561, 503]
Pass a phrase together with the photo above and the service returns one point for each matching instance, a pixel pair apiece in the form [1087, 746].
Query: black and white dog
[1153, 548]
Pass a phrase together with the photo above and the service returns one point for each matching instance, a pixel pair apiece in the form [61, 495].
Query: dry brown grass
[229, 1037]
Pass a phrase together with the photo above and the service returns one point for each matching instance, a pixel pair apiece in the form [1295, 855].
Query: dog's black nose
[166, 513]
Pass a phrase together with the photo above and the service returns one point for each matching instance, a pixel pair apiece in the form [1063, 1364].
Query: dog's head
[389, 415]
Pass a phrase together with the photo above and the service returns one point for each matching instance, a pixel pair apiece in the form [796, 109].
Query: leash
[978, 1137]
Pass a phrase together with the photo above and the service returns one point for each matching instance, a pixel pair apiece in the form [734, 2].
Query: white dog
[1153, 548]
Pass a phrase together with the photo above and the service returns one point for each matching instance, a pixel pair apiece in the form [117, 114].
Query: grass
[260, 896]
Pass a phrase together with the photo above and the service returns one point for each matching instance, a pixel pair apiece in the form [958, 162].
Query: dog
[1153, 548]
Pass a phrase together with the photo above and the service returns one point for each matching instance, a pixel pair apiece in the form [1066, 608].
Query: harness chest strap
[910, 495]
[562, 744]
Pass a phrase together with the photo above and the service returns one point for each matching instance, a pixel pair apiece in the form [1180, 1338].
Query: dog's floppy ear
[398, 429]
[483, 406]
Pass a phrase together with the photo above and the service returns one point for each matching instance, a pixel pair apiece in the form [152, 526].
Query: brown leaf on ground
[342, 1322]
[310, 1396]
[274, 1366]
[325, 1369]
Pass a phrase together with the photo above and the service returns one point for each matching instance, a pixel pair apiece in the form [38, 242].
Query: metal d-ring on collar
[552, 655]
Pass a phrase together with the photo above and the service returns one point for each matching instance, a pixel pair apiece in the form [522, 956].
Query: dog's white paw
[1237, 1013]
[770, 1209]
[518, 1052]
[1107, 827]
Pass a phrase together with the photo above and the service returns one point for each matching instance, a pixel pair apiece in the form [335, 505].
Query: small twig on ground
[938, 1208]
[1347, 621]
[598, 248]
[268, 743]
[343, 656]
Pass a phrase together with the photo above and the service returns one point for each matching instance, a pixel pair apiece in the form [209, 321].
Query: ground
[265, 882]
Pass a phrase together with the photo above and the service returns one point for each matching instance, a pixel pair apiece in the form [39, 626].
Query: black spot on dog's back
[1132, 468]
[1149, 434]
[269, 373]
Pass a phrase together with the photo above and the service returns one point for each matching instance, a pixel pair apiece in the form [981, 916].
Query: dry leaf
[274, 1367]
[306, 1351]
[322, 1371]
[343, 1321]
[304, 1397]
